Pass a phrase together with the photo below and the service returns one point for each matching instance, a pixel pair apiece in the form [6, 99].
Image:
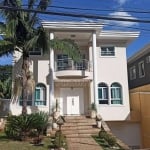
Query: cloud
[125, 15]
[121, 2]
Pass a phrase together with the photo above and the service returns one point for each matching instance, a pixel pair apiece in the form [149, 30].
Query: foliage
[23, 32]
[93, 107]
[104, 135]
[5, 88]
[5, 81]
[59, 139]
[5, 72]
[20, 127]
[40, 121]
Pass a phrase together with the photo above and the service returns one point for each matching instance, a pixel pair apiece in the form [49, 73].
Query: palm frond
[6, 48]
[67, 46]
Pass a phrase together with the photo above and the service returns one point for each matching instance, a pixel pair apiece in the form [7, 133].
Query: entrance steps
[79, 126]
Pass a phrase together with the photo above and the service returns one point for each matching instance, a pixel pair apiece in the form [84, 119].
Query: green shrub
[108, 138]
[103, 134]
[59, 139]
[20, 127]
[111, 141]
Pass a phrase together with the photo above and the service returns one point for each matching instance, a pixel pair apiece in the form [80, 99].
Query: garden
[28, 131]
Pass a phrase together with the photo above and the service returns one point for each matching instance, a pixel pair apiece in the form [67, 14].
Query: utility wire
[74, 15]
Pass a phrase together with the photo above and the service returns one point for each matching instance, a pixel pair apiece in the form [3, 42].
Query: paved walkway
[82, 143]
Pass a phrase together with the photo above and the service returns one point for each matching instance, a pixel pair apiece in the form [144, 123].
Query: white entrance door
[72, 101]
[73, 105]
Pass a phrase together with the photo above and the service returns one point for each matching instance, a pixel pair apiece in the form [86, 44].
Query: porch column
[51, 79]
[94, 54]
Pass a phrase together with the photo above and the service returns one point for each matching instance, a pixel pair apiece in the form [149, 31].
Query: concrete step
[78, 127]
[81, 131]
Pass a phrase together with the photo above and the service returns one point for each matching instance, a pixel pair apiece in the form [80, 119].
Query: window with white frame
[107, 51]
[102, 93]
[141, 69]
[116, 93]
[133, 73]
[148, 59]
[40, 94]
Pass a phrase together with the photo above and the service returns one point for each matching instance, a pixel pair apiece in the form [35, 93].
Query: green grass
[8, 144]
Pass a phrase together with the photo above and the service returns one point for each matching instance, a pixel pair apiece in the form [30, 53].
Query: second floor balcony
[68, 67]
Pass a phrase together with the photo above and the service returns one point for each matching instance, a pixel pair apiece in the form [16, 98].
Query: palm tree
[23, 32]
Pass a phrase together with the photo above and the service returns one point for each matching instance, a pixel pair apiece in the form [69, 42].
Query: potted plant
[93, 110]
[99, 120]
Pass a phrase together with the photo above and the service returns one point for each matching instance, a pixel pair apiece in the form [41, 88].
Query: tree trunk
[25, 72]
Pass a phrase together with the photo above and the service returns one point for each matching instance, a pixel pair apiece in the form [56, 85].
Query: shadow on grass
[3, 137]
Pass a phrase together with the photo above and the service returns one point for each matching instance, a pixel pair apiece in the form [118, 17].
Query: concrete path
[82, 143]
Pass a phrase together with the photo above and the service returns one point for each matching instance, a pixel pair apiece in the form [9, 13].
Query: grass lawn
[8, 144]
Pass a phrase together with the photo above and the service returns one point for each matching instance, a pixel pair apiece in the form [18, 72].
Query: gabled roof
[140, 53]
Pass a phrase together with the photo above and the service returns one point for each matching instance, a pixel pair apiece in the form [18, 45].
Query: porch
[73, 96]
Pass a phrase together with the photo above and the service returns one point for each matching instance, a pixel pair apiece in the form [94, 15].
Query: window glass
[40, 94]
[133, 73]
[141, 69]
[102, 93]
[116, 93]
[108, 51]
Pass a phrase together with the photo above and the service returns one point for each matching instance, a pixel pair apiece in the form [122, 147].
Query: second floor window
[107, 51]
[133, 73]
[141, 69]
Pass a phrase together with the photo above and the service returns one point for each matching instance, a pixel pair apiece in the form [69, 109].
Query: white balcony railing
[69, 64]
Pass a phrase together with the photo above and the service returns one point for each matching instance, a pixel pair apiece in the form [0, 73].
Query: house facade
[99, 77]
[139, 83]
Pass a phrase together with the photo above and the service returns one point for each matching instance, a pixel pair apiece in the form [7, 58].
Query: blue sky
[119, 8]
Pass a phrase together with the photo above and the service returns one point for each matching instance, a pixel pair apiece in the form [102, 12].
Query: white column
[51, 79]
[95, 91]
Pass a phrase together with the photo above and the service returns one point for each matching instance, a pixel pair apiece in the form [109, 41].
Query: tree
[23, 32]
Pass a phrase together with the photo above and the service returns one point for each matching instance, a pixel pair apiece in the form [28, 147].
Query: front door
[73, 105]
[71, 101]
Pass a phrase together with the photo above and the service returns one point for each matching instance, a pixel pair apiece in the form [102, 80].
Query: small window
[108, 51]
[36, 51]
[40, 94]
[148, 59]
[141, 69]
[116, 93]
[133, 73]
[102, 93]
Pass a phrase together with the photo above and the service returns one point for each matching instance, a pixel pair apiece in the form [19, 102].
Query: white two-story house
[99, 77]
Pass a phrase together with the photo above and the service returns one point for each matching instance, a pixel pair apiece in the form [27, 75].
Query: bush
[20, 127]
[59, 139]
[110, 140]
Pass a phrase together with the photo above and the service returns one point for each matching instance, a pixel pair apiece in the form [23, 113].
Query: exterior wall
[114, 69]
[39, 65]
[140, 81]
[139, 99]
[85, 99]
[128, 132]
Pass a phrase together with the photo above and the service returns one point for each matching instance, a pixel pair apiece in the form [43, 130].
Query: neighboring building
[100, 77]
[139, 83]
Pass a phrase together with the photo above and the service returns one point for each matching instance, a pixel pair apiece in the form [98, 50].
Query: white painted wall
[109, 70]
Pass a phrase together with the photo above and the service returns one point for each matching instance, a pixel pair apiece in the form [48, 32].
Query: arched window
[102, 93]
[40, 94]
[116, 93]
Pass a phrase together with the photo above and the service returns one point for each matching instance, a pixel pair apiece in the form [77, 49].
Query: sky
[132, 9]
